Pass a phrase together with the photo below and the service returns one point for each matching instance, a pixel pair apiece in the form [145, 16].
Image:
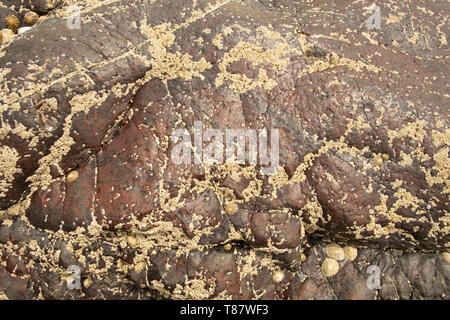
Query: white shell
[23, 29]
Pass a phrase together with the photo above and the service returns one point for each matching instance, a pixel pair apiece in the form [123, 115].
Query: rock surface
[87, 177]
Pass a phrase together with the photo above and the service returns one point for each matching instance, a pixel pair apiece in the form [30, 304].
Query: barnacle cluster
[329, 267]
[12, 22]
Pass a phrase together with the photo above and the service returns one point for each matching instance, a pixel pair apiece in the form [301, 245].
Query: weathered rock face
[88, 176]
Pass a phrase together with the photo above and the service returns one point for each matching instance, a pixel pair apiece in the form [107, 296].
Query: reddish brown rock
[86, 124]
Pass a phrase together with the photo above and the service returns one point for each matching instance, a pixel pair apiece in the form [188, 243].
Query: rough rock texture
[87, 178]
